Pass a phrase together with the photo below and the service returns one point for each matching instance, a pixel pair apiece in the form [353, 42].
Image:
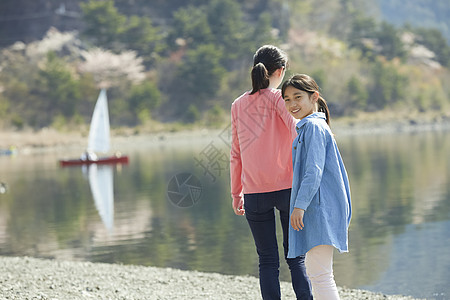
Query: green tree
[17, 104]
[319, 77]
[191, 24]
[201, 74]
[362, 34]
[231, 34]
[375, 39]
[357, 94]
[262, 33]
[57, 88]
[17, 79]
[215, 116]
[192, 114]
[113, 30]
[389, 40]
[144, 97]
[4, 105]
[435, 41]
[103, 22]
[389, 86]
[340, 24]
[141, 36]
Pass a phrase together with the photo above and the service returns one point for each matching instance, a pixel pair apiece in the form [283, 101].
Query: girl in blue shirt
[320, 198]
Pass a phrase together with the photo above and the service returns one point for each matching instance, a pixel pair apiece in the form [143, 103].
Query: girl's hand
[238, 207]
[297, 218]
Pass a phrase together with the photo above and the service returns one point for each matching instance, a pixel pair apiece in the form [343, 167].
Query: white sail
[99, 131]
[101, 183]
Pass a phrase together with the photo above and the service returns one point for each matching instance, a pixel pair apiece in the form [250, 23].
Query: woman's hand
[297, 218]
[238, 206]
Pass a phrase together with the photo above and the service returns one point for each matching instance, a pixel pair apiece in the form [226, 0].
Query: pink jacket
[261, 146]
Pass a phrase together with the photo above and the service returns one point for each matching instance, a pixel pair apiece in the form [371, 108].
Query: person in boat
[3, 187]
[88, 156]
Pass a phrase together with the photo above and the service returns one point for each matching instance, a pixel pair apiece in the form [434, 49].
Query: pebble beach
[33, 278]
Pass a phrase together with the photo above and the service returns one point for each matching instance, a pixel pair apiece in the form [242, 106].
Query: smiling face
[300, 103]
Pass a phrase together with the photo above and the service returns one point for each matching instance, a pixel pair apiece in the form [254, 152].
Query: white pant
[319, 267]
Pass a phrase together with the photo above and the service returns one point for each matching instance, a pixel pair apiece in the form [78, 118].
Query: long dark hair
[266, 61]
[306, 83]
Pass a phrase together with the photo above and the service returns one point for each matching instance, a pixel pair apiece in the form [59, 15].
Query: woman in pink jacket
[261, 169]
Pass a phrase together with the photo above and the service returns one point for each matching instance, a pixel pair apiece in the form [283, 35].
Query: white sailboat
[99, 140]
[99, 137]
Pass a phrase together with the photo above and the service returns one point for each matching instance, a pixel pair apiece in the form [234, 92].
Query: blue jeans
[260, 214]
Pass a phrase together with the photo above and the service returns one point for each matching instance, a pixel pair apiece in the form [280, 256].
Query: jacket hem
[267, 189]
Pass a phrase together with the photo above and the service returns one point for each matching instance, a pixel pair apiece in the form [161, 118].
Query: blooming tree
[109, 69]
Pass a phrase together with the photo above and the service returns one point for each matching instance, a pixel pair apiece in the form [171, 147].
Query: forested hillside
[418, 13]
[184, 62]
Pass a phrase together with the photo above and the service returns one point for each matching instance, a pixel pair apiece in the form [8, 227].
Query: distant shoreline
[32, 278]
[48, 139]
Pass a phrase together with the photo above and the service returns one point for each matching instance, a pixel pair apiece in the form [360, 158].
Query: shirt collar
[316, 115]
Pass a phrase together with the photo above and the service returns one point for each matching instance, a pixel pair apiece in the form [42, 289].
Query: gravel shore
[32, 278]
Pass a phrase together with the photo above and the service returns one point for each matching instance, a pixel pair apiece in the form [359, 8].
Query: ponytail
[260, 78]
[266, 61]
[323, 107]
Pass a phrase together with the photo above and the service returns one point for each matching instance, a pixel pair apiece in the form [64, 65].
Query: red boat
[101, 160]
[98, 139]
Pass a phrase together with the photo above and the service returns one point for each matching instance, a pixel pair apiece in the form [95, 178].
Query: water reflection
[101, 183]
[401, 213]
[400, 183]
[416, 261]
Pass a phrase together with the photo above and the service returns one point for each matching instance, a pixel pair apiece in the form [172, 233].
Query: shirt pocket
[318, 192]
[316, 201]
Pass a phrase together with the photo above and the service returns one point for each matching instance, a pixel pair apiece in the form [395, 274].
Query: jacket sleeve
[313, 164]
[287, 118]
[235, 160]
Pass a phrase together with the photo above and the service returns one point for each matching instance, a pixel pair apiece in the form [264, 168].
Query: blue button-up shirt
[320, 186]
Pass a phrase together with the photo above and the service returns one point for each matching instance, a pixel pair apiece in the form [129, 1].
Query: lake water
[171, 208]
